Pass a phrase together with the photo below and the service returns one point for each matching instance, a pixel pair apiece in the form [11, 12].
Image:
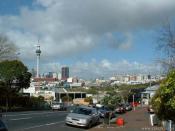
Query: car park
[83, 116]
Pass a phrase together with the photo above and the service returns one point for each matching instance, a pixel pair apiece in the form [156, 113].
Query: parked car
[105, 111]
[3, 126]
[128, 107]
[58, 106]
[120, 109]
[83, 116]
[134, 104]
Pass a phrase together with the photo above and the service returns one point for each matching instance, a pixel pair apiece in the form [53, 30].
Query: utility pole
[133, 102]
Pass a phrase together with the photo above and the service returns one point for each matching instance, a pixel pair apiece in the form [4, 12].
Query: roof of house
[63, 90]
[45, 79]
[151, 89]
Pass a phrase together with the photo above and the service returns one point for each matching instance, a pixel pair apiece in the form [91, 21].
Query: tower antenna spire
[38, 53]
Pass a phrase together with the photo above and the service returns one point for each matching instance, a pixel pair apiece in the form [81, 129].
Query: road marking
[35, 113]
[48, 124]
[20, 119]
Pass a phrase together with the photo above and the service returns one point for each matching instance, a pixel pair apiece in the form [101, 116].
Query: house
[148, 93]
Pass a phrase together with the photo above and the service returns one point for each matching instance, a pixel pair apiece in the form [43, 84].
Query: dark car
[120, 109]
[2, 126]
[104, 111]
[128, 107]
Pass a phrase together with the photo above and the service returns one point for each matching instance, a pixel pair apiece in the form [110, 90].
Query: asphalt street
[38, 121]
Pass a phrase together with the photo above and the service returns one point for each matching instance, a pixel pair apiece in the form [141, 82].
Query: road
[38, 121]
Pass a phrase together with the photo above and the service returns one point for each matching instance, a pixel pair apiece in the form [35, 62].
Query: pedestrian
[152, 115]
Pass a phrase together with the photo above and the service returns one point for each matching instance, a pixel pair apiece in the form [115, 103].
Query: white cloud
[123, 42]
[105, 68]
[52, 67]
[69, 27]
[105, 64]
[46, 3]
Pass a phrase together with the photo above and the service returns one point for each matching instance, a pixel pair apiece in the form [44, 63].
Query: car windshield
[83, 111]
[56, 103]
[104, 109]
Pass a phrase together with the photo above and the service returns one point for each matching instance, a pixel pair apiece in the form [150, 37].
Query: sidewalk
[137, 120]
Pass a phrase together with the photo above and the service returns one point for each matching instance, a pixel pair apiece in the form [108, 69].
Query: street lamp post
[133, 102]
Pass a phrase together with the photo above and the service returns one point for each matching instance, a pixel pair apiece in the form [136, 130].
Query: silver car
[83, 116]
[57, 106]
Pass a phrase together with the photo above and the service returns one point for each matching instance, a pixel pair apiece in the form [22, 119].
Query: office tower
[64, 73]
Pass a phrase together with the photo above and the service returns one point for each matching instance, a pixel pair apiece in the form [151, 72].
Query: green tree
[66, 98]
[92, 90]
[111, 100]
[14, 76]
[164, 100]
[89, 99]
[40, 98]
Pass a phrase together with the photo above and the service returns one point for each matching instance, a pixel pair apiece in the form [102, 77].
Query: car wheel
[98, 121]
[89, 125]
[67, 124]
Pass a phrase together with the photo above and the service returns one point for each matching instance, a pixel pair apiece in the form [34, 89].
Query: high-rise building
[149, 77]
[59, 76]
[64, 73]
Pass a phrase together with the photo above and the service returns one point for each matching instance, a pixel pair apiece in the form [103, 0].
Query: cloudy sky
[93, 37]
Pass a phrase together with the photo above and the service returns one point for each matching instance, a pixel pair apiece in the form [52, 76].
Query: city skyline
[92, 38]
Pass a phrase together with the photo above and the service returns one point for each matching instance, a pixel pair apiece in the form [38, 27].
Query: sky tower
[38, 52]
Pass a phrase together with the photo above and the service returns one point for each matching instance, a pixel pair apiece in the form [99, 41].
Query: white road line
[33, 114]
[48, 124]
[20, 119]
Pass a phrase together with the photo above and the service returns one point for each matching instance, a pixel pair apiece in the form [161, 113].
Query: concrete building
[64, 73]
[55, 75]
[133, 78]
[31, 90]
[70, 80]
[75, 85]
[59, 76]
[61, 92]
